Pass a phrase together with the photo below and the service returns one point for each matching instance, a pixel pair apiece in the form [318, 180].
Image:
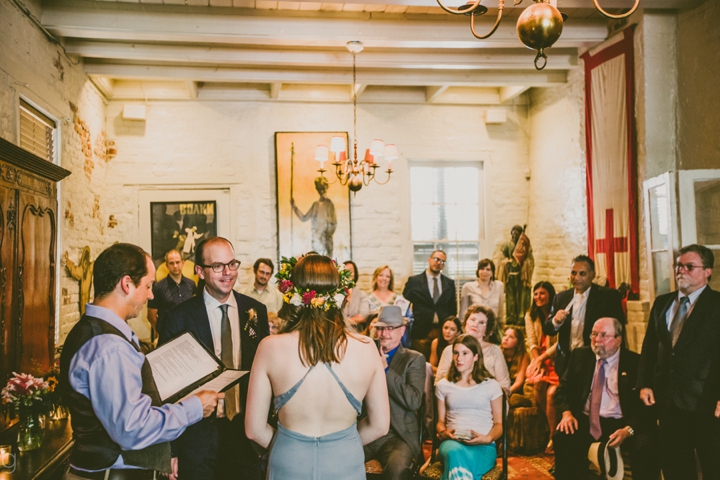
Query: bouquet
[26, 393]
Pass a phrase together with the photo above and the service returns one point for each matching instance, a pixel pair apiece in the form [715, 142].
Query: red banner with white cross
[611, 173]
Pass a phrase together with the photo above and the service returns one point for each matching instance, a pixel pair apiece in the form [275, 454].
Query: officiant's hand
[209, 401]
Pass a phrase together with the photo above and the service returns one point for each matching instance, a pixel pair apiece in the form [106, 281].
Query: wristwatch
[630, 430]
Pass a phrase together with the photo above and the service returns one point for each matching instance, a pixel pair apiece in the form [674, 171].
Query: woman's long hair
[479, 372]
[442, 343]
[537, 313]
[322, 334]
[520, 351]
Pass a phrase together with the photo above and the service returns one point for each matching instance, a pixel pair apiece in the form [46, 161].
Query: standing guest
[480, 323]
[598, 401]
[170, 291]
[405, 377]
[680, 368]
[231, 325]
[432, 295]
[469, 413]
[261, 290]
[319, 373]
[451, 328]
[486, 291]
[517, 361]
[357, 308]
[541, 371]
[120, 427]
[574, 311]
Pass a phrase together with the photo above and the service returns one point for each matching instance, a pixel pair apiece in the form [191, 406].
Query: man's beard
[600, 351]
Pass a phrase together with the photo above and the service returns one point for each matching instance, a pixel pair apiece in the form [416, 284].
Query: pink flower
[308, 296]
[285, 286]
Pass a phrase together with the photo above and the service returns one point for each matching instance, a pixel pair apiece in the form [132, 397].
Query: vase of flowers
[27, 394]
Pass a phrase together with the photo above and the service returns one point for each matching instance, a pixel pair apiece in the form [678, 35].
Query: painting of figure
[313, 208]
[180, 226]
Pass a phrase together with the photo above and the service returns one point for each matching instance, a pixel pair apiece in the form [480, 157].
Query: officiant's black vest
[94, 449]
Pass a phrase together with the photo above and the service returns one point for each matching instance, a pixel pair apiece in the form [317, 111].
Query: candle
[5, 452]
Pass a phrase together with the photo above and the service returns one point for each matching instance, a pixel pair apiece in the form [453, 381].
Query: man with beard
[598, 401]
[680, 368]
[261, 290]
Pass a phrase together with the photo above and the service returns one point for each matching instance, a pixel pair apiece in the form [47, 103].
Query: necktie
[679, 319]
[596, 399]
[226, 355]
[436, 290]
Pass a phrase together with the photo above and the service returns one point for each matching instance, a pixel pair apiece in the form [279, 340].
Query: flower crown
[310, 298]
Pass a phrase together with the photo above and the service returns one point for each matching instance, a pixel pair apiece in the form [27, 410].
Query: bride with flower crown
[317, 373]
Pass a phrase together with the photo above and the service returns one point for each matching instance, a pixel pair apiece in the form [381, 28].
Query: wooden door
[8, 330]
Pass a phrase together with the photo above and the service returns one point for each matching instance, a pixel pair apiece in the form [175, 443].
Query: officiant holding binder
[231, 326]
[120, 427]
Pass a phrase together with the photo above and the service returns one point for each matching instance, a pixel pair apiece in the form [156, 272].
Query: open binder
[184, 366]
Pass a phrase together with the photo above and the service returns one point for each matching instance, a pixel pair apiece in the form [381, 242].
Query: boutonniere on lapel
[251, 324]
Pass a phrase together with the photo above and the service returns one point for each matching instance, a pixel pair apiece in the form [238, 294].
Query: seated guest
[405, 375]
[469, 413]
[356, 308]
[541, 371]
[599, 401]
[449, 331]
[170, 291]
[383, 282]
[261, 290]
[517, 361]
[480, 323]
[486, 291]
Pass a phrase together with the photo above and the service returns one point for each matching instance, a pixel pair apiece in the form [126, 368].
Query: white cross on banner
[611, 172]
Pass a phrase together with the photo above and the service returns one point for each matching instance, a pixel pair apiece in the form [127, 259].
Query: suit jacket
[406, 385]
[576, 385]
[602, 302]
[687, 375]
[424, 309]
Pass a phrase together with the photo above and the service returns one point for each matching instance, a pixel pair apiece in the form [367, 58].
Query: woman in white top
[469, 413]
[486, 291]
[480, 322]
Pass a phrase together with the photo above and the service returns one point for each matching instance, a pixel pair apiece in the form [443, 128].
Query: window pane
[658, 217]
[422, 181]
[461, 185]
[707, 212]
[661, 271]
[463, 222]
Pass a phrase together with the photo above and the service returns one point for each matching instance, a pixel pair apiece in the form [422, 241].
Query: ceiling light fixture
[539, 26]
[350, 171]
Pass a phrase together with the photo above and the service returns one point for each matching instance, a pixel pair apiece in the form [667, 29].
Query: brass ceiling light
[538, 27]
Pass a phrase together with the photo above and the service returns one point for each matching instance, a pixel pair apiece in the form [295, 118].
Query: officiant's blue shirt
[107, 370]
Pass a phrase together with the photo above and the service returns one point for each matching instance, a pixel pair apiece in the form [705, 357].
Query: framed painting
[180, 226]
[313, 210]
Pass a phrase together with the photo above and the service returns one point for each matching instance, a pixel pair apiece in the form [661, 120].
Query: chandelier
[539, 26]
[350, 171]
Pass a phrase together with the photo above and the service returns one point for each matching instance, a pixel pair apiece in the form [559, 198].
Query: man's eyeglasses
[219, 267]
[382, 329]
[439, 260]
[687, 266]
[601, 335]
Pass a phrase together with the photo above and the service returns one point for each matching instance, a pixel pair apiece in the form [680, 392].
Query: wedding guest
[357, 308]
[469, 413]
[451, 328]
[486, 291]
[541, 371]
[517, 361]
[261, 289]
[382, 295]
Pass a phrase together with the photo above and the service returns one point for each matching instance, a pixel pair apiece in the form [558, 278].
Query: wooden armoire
[28, 260]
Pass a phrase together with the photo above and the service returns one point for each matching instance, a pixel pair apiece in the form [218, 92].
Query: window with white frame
[37, 132]
[447, 214]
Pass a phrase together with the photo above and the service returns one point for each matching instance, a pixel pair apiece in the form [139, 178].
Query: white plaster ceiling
[295, 51]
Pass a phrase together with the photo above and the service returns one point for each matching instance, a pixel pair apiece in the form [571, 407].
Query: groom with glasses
[680, 368]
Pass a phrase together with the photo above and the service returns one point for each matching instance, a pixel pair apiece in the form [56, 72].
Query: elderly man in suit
[231, 325]
[405, 374]
[599, 402]
[433, 299]
[680, 368]
[574, 311]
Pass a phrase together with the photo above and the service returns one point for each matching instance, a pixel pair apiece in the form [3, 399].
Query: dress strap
[356, 404]
[282, 399]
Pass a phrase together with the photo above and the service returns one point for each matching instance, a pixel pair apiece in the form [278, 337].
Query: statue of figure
[515, 268]
[83, 273]
[324, 221]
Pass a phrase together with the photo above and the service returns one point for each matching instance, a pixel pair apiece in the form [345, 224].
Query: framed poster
[313, 211]
[180, 226]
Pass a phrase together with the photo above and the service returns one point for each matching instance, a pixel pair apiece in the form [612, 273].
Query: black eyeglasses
[219, 267]
[687, 266]
[439, 260]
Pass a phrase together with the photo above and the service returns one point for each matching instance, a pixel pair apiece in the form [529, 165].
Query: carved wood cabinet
[28, 260]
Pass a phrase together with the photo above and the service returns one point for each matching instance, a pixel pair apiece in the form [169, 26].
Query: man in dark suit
[433, 299]
[680, 368]
[405, 374]
[598, 402]
[574, 311]
[231, 325]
